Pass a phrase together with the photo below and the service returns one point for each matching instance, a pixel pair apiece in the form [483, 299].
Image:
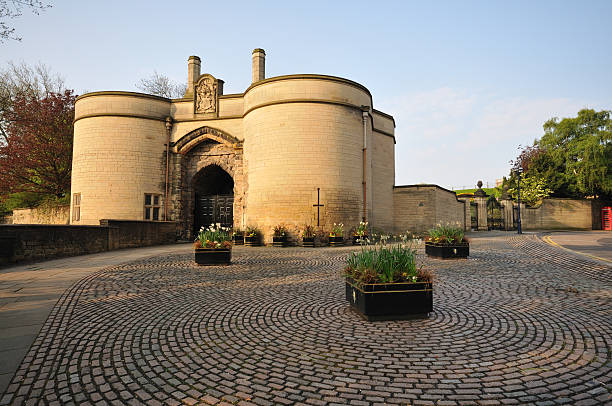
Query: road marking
[549, 241]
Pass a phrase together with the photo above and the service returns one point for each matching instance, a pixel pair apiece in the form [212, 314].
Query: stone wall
[133, 234]
[42, 215]
[559, 214]
[31, 242]
[418, 208]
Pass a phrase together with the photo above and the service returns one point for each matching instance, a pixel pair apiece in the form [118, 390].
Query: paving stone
[518, 322]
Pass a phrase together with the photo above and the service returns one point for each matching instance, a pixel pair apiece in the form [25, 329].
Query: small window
[152, 207]
[76, 207]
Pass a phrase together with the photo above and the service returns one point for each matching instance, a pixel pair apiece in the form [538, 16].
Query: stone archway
[213, 190]
[195, 152]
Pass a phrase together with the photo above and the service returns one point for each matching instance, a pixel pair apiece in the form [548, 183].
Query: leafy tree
[37, 151]
[10, 9]
[533, 189]
[573, 157]
[161, 85]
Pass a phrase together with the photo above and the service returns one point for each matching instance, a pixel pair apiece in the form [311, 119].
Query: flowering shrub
[280, 230]
[309, 231]
[337, 230]
[446, 234]
[214, 236]
[394, 263]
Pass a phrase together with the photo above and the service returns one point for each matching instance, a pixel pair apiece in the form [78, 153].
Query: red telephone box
[606, 218]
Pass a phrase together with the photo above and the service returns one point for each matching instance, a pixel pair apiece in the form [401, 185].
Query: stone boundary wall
[34, 242]
[38, 215]
[563, 214]
[417, 208]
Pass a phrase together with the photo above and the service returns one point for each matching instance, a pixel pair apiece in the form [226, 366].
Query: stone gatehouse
[293, 149]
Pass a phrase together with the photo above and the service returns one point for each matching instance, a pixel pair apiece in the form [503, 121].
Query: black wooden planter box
[213, 256]
[357, 238]
[251, 241]
[391, 301]
[336, 241]
[447, 251]
[308, 242]
[238, 239]
[279, 241]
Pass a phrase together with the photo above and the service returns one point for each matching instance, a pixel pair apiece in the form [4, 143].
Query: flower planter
[251, 241]
[357, 238]
[213, 256]
[336, 241]
[238, 239]
[446, 251]
[308, 242]
[391, 301]
[279, 241]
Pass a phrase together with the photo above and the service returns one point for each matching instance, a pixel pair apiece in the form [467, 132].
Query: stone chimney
[193, 74]
[259, 64]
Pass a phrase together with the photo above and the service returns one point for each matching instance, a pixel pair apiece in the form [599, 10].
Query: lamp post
[518, 192]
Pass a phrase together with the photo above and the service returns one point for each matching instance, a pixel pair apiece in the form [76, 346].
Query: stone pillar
[259, 65]
[480, 198]
[193, 74]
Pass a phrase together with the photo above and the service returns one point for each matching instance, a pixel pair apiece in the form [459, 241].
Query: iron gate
[495, 218]
[474, 214]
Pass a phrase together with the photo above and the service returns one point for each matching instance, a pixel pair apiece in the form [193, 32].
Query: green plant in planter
[309, 231]
[237, 232]
[280, 231]
[446, 234]
[362, 229]
[214, 236]
[395, 263]
[251, 232]
[337, 230]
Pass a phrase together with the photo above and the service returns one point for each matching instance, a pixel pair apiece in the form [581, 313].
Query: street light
[518, 171]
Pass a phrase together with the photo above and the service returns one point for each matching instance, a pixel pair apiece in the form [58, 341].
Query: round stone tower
[118, 155]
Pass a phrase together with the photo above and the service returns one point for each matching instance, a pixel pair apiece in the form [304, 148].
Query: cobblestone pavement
[519, 322]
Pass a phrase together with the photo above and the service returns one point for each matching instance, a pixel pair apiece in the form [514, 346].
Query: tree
[161, 85]
[574, 156]
[37, 155]
[23, 81]
[10, 9]
[533, 189]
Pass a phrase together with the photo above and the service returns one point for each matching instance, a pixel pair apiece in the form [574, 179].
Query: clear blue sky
[467, 81]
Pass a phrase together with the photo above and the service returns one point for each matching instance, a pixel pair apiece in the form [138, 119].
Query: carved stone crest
[206, 95]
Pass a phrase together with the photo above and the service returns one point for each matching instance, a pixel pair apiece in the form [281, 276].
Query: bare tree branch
[161, 85]
[11, 9]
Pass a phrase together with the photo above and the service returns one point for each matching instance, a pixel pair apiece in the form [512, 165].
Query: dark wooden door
[212, 209]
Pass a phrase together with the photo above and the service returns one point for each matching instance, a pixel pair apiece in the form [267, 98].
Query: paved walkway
[519, 322]
[593, 244]
[29, 292]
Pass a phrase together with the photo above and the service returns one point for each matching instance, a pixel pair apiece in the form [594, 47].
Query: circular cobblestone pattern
[519, 322]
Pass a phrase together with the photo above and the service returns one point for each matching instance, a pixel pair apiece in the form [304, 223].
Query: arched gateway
[214, 198]
[211, 186]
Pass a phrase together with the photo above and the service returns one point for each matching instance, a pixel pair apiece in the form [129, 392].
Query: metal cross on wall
[318, 205]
